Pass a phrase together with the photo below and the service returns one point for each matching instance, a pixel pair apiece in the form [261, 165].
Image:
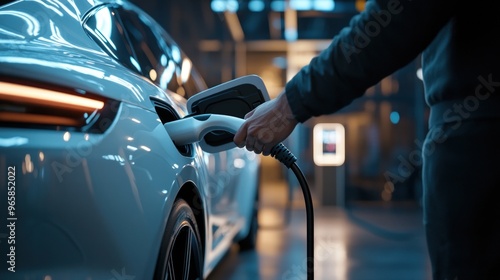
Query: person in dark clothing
[460, 47]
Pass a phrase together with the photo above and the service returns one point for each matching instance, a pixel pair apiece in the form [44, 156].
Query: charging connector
[194, 128]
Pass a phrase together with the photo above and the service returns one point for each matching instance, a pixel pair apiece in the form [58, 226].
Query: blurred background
[374, 194]
[226, 39]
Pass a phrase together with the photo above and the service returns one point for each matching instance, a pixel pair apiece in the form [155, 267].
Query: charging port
[167, 114]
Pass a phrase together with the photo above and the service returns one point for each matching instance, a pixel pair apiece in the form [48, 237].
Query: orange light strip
[36, 119]
[22, 93]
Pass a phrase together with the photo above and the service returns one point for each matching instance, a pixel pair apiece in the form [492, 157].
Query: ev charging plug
[194, 128]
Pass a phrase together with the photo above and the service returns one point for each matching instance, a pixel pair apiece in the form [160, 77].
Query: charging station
[329, 157]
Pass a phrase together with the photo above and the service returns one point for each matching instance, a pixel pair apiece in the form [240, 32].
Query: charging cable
[281, 153]
[194, 128]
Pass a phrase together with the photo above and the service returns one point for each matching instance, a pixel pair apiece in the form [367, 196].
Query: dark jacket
[461, 58]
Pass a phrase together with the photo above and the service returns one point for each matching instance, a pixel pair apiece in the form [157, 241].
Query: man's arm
[387, 35]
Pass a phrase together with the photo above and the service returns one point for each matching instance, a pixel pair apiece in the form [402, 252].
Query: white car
[92, 186]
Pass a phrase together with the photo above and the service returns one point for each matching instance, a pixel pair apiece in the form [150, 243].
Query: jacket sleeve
[386, 36]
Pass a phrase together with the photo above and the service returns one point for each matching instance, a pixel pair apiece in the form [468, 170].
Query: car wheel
[181, 255]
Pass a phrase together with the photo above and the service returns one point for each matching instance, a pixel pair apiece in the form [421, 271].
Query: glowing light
[22, 93]
[135, 120]
[152, 74]
[163, 60]
[135, 63]
[300, 5]
[36, 118]
[13, 141]
[130, 138]
[324, 5]
[186, 70]
[239, 163]
[66, 136]
[278, 6]
[360, 5]
[145, 148]
[132, 148]
[176, 53]
[167, 74]
[41, 156]
[394, 116]
[116, 158]
[224, 5]
[420, 74]
[329, 144]
[256, 5]
[218, 6]
[28, 164]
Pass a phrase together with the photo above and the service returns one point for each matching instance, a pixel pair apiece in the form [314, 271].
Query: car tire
[181, 250]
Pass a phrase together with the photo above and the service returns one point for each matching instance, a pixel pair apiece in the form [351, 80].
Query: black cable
[281, 153]
[310, 220]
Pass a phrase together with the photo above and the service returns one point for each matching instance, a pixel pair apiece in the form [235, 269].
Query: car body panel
[95, 205]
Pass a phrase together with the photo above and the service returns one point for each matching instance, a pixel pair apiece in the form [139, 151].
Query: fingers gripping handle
[193, 129]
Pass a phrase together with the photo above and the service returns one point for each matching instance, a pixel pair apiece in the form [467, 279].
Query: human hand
[266, 126]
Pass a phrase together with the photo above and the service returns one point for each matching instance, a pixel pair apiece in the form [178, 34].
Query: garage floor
[369, 241]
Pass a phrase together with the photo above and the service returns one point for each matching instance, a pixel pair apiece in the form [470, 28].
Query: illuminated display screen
[329, 144]
[329, 141]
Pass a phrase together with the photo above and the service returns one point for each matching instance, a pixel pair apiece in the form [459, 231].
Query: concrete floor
[369, 241]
